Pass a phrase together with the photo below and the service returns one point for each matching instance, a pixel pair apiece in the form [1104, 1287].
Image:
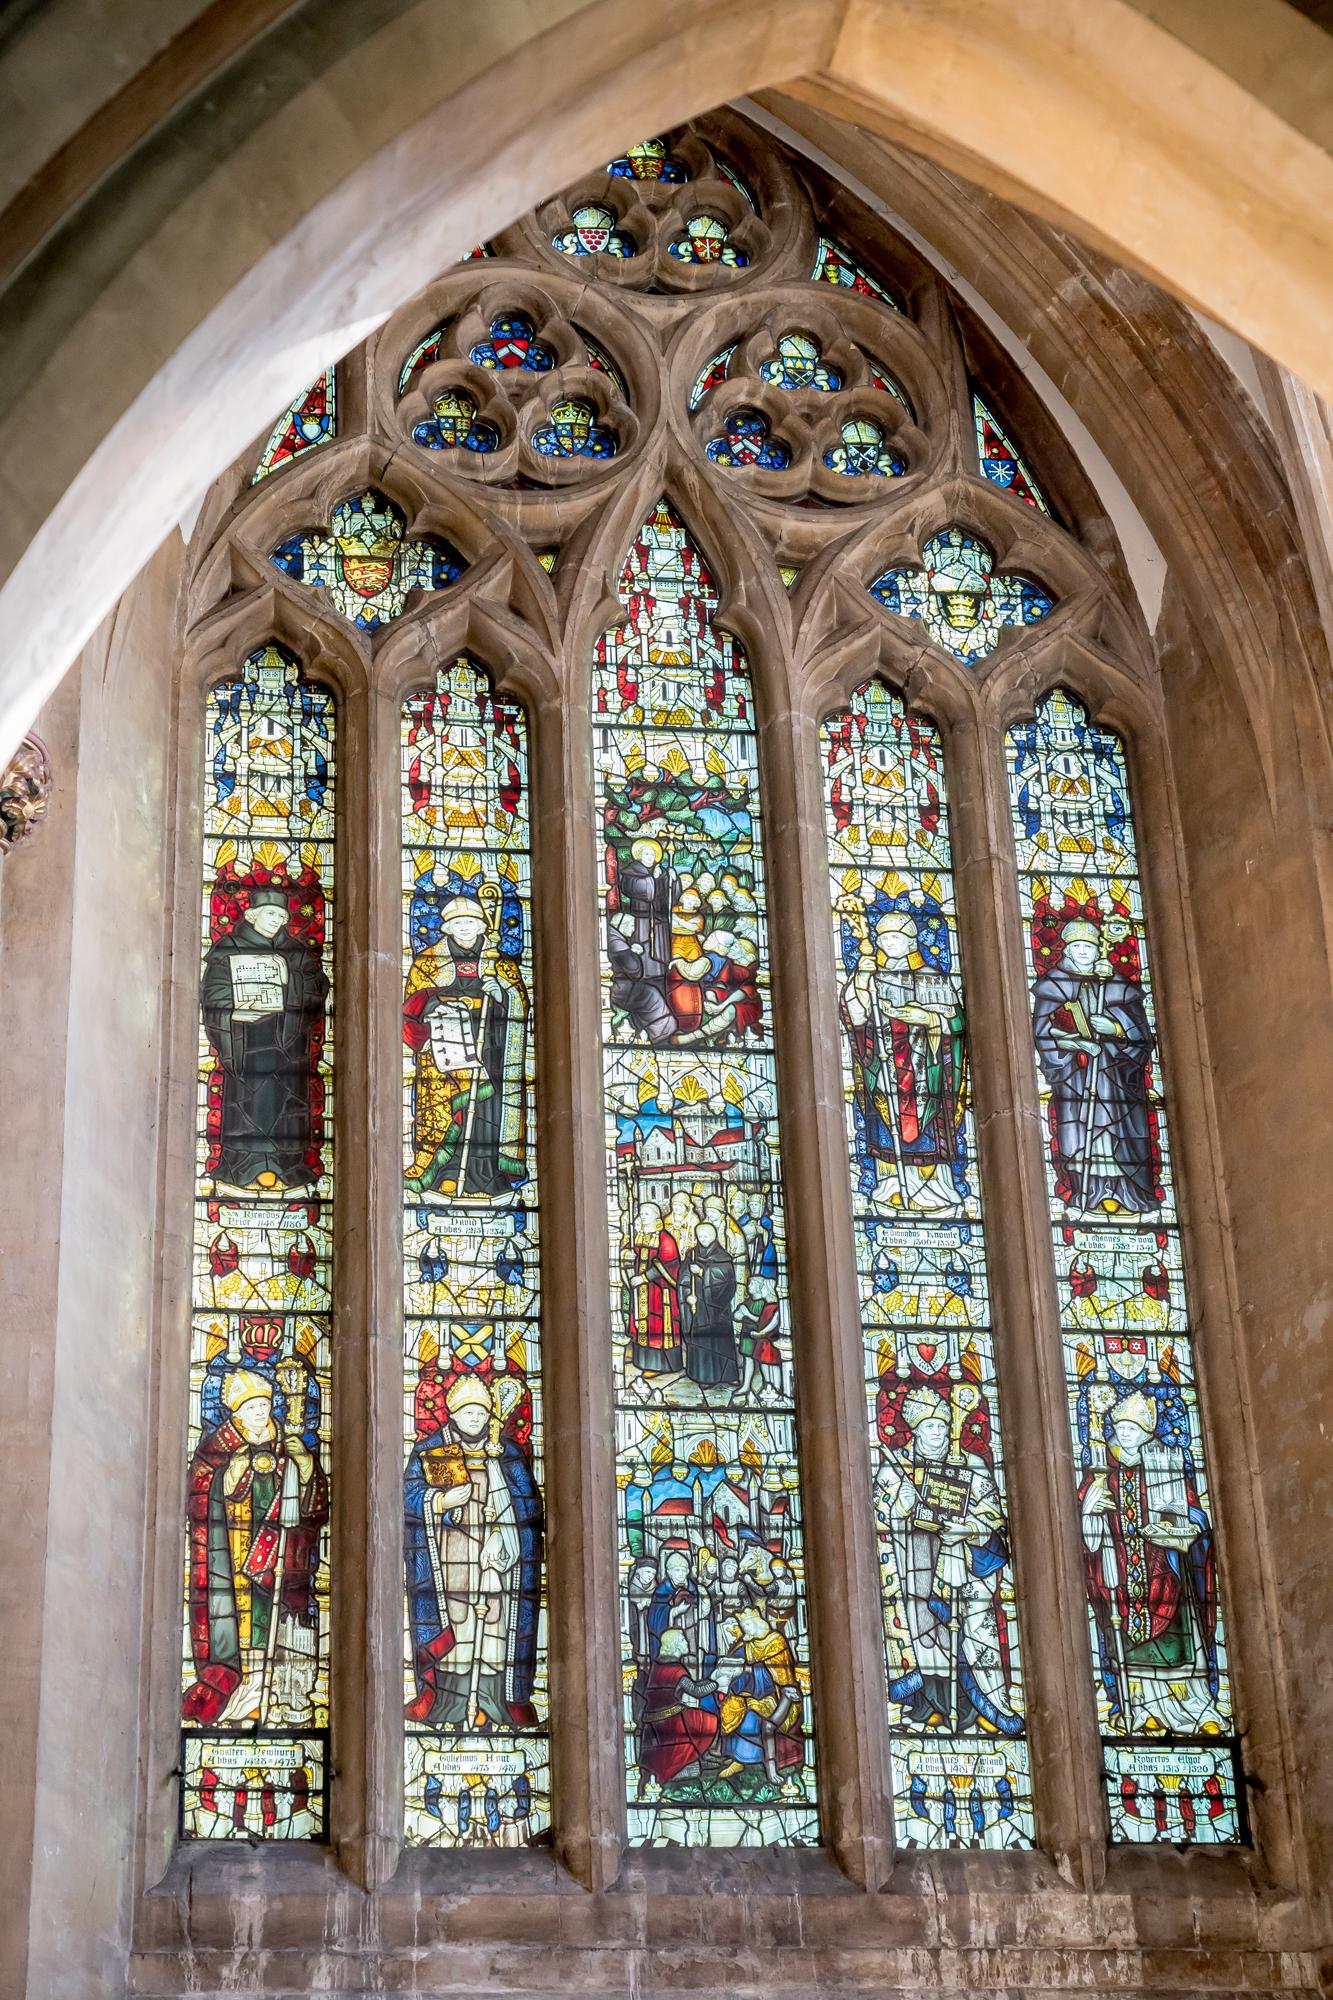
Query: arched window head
[821, 1249]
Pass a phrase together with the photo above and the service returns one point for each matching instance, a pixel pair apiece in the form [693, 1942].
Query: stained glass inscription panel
[477, 1769]
[713, 1620]
[256, 1664]
[959, 1757]
[1146, 1517]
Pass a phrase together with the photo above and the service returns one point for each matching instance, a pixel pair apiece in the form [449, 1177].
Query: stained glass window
[798, 364]
[862, 453]
[649, 161]
[963, 604]
[303, 424]
[745, 440]
[707, 241]
[716, 1715]
[835, 265]
[883, 380]
[712, 372]
[1000, 461]
[455, 426]
[574, 432]
[427, 349]
[599, 359]
[713, 1618]
[256, 1662]
[368, 566]
[1149, 1550]
[477, 1751]
[592, 232]
[512, 343]
[959, 1759]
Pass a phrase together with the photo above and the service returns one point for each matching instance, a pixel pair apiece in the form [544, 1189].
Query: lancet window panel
[715, 1663]
[959, 1759]
[477, 1758]
[1146, 1523]
[255, 1693]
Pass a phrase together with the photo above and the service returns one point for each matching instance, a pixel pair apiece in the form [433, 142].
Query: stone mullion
[587, 1767]
[366, 1552]
[842, 1564]
[1062, 1733]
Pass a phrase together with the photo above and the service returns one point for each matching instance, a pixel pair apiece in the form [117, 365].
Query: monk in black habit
[263, 997]
[707, 1297]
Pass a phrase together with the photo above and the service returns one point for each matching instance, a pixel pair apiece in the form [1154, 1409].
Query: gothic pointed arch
[696, 580]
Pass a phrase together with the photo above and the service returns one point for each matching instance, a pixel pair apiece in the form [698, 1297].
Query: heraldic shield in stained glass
[307, 422]
[477, 1769]
[959, 1759]
[256, 1664]
[1149, 1553]
[715, 1647]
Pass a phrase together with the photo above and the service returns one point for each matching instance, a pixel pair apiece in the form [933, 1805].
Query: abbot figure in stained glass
[263, 997]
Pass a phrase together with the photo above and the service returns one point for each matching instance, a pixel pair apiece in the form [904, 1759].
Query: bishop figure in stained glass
[473, 1526]
[257, 1501]
[942, 1516]
[465, 1021]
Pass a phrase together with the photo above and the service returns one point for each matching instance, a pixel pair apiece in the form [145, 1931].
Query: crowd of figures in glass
[477, 1752]
[716, 1675]
[960, 1762]
[1149, 1557]
[256, 1695]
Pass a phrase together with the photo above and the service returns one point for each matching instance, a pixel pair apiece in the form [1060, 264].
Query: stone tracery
[508, 391]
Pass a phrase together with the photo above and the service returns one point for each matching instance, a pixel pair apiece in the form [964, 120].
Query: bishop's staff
[293, 1382]
[1101, 1398]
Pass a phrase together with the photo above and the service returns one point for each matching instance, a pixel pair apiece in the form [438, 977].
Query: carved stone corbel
[25, 792]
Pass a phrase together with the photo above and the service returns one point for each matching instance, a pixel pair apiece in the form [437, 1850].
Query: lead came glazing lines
[255, 1702]
[1171, 1763]
[477, 1752]
[715, 1661]
[959, 1758]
